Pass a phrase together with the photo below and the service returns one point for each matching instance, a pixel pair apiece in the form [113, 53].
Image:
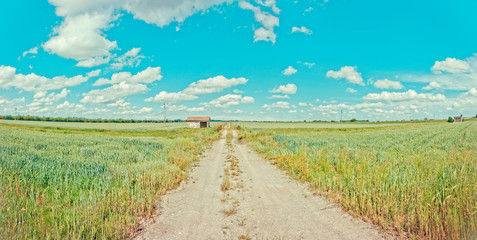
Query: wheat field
[419, 181]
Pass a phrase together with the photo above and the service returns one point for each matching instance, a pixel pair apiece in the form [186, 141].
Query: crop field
[419, 181]
[320, 125]
[105, 126]
[83, 184]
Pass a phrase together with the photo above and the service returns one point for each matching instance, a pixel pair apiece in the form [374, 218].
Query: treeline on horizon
[85, 120]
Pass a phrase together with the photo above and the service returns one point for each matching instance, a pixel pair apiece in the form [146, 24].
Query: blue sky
[246, 60]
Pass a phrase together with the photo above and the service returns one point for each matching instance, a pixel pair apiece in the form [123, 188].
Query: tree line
[85, 120]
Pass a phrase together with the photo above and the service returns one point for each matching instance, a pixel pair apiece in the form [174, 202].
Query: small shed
[198, 122]
[458, 118]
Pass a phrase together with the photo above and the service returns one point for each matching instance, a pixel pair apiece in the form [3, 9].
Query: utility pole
[341, 115]
[164, 114]
[16, 114]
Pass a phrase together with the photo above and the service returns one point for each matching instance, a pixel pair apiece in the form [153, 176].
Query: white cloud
[94, 73]
[451, 65]
[35, 83]
[270, 3]
[120, 103]
[248, 99]
[269, 22]
[237, 91]
[94, 61]
[309, 64]
[195, 109]
[279, 96]
[211, 85]
[432, 85]
[130, 59]
[145, 110]
[81, 36]
[32, 51]
[113, 93]
[302, 29]
[347, 72]
[351, 90]
[308, 10]
[280, 104]
[149, 75]
[410, 95]
[65, 105]
[289, 71]
[171, 97]
[303, 104]
[388, 84]
[229, 100]
[286, 89]
[471, 92]
[41, 100]
[461, 74]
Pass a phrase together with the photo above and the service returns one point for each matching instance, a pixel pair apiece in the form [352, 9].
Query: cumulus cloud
[280, 104]
[289, 71]
[113, 93]
[459, 74]
[409, 95]
[211, 85]
[471, 92]
[171, 97]
[32, 51]
[80, 35]
[351, 90]
[432, 85]
[271, 4]
[269, 22]
[388, 84]
[35, 83]
[347, 72]
[130, 59]
[94, 73]
[279, 96]
[149, 75]
[302, 29]
[451, 65]
[229, 100]
[286, 89]
[92, 62]
[120, 103]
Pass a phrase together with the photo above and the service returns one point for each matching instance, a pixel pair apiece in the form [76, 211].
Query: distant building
[198, 122]
[459, 119]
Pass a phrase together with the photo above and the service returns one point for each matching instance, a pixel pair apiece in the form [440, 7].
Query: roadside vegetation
[419, 181]
[61, 183]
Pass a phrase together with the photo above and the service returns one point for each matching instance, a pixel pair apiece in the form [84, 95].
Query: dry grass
[226, 185]
[230, 211]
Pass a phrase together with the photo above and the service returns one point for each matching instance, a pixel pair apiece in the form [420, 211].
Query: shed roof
[198, 119]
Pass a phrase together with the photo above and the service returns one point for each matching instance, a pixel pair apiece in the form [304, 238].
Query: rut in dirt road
[235, 194]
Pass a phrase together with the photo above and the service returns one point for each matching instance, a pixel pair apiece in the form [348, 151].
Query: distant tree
[353, 120]
[450, 119]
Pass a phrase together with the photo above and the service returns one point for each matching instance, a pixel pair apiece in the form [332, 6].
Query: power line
[164, 114]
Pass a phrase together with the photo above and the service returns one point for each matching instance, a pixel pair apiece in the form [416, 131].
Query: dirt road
[235, 194]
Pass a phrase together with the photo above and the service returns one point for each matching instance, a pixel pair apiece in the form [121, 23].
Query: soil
[260, 202]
